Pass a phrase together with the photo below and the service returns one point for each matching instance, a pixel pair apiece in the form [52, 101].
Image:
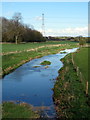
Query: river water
[34, 85]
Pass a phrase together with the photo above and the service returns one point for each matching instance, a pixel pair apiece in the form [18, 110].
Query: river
[34, 85]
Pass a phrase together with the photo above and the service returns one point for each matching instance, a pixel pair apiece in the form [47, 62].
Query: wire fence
[80, 75]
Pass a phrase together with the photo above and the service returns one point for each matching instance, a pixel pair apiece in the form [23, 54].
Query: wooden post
[72, 59]
[87, 88]
[16, 39]
[80, 77]
[77, 71]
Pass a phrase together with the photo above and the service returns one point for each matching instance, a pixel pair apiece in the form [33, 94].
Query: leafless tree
[17, 28]
[13, 30]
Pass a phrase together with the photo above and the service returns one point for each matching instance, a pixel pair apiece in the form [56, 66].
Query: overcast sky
[61, 18]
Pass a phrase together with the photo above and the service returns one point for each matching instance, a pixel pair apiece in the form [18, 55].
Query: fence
[79, 74]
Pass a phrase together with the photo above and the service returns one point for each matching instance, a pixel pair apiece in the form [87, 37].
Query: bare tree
[17, 19]
[13, 30]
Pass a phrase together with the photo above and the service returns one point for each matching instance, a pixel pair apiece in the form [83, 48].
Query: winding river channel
[32, 83]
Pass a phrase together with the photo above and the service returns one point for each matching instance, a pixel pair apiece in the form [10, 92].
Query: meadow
[82, 61]
[12, 47]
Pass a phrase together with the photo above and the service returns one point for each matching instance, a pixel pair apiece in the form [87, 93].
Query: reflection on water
[34, 84]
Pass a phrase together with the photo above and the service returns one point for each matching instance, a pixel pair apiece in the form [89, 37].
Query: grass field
[12, 61]
[16, 111]
[26, 46]
[81, 60]
[69, 91]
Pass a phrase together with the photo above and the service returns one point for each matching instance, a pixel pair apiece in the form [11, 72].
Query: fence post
[80, 76]
[72, 59]
[77, 71]
[86, 87]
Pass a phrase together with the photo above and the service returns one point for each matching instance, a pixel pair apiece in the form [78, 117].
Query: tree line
[82, 40]
[13, 30]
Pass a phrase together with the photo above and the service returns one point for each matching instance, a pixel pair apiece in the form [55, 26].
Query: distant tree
[82, 41]
[14, 30]
[9, 30]
[5, 29]
[17, 28]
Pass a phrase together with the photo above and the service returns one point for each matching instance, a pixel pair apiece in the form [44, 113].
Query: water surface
[34, 85]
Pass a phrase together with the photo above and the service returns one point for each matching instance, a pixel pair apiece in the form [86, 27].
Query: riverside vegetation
[70, 87]
[15, 55]
[22, 110]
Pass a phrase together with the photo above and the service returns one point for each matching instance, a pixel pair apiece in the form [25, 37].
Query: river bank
[18, 111]
[69, 90]
[12, 61]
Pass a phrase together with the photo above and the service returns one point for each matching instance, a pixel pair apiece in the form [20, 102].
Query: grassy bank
[12, 61]
[26, 46]
[81, 59]
[12, 110]
[69, 91]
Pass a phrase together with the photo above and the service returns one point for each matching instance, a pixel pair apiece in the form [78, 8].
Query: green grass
[45, 63]
[81, 60]
[12, 61]
[69, 92]
[12, 110]
[26, 46]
